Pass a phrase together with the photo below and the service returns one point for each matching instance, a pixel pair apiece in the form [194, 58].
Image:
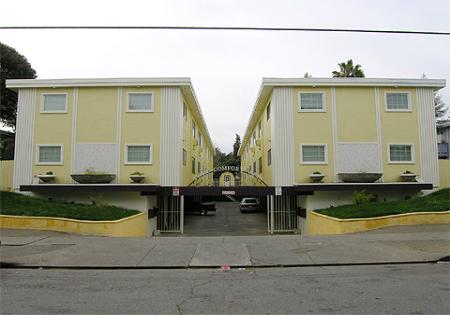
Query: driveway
[227, 220]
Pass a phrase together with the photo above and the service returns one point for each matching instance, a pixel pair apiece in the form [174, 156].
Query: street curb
[6, 265]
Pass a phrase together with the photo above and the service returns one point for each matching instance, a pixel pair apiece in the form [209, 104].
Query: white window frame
[43, 111]
[413, 153]
[150, 162]
[38, 148]
[314, 162]
[152, 107]
[408, 93]
[322, 110]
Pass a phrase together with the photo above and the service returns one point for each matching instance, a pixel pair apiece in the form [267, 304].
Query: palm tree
[347, 70]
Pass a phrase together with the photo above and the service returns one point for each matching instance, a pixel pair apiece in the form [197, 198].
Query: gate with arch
[231, 181]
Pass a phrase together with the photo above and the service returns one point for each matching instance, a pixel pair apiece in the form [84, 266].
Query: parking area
[226, 220]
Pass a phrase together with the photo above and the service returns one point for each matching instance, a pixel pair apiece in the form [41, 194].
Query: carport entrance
[225, 221]
[278, 212]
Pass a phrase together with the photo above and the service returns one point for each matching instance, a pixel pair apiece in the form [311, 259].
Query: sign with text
[228, 192]
[277, 191]
[176, 191]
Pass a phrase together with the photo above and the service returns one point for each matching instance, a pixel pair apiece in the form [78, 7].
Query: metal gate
[281, 214]
[171, 216]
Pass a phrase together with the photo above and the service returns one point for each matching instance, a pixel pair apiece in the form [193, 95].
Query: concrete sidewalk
[391, 245]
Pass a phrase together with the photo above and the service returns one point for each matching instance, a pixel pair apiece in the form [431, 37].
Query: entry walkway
[226, 221]
[393, 245]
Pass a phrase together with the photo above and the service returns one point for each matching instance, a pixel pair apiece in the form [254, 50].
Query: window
[311, 102]
[184, 111]
[268, 111]
[401, 153]
[193, 165]
[50, 154]
[140, 102]
[200, 140]
[260, 165]
[193, 129]
[259, 130]
[398, 102]
[54, 103]
[269, 157]
[184, 157]
[253, 140]
[138, 154]
[313, 154]
[199, 167]
[254, 167]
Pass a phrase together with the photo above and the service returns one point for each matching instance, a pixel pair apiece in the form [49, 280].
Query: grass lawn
[18, 204]
[437, 201]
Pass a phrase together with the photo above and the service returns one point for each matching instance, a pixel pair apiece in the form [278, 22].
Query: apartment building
[151, 126]
[304, 128]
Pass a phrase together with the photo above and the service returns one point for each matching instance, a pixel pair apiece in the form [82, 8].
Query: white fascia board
[372, 82]
[42, 83]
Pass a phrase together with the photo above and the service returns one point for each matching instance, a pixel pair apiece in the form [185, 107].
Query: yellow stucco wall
[444, 173]
[356, 115]
[96, 115]
[313, 128]
[319, 224]
[252, 154]
[54, 128]
[141, 128]
[133, 226]
[193, 150]
[402, 128]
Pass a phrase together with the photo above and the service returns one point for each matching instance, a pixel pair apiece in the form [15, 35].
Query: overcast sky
[226, 67]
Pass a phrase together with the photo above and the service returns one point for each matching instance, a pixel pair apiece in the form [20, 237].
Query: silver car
[249, 204]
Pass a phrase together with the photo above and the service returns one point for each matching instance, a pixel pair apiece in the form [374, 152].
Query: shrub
[360, 197]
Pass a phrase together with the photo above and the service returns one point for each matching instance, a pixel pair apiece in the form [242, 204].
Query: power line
[225, 28]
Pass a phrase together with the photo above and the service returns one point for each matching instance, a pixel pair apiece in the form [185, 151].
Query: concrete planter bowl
[408, 177]
[137, 178]
[46, 178]
[93, 178]
[360, 177]
[316, 178]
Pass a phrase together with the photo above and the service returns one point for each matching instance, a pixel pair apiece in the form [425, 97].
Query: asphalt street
[226, 221]
[387, 289]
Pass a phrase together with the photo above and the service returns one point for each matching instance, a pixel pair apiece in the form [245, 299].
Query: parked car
[249, 204]
[202, 208]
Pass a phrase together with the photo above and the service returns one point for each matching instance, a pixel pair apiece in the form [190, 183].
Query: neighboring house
[342, 125]
[443, 138]
[6, 145]
[115, 126]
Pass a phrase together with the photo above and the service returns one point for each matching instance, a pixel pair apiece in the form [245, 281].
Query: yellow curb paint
[319, 224]
[133, 226]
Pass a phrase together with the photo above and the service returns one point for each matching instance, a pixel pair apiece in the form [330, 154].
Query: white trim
[74, 130]
[150, 110]
[413, 153]
[334, 131]
[24, 142]
[324, 103]
[61, 161]
[429, 167]
[314, 162]
[150, 162]
[395, 82]
[379, 131]
[29, 83]
[408, 93]
[53, 111]
[118, 132]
